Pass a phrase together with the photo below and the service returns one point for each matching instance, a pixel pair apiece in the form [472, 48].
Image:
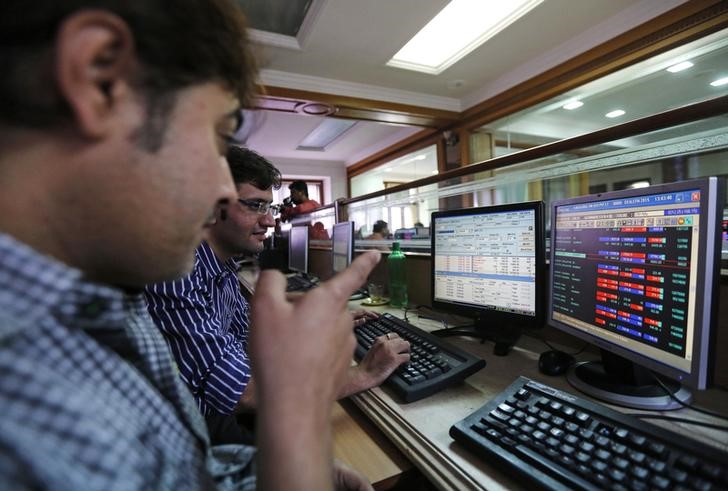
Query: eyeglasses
[259, 206]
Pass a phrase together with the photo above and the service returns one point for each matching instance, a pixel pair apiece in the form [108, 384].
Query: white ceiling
[344, 45]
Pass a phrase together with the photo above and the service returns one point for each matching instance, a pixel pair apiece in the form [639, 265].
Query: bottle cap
[395, 246]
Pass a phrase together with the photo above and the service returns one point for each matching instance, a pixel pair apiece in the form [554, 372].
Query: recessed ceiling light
[570, 106]
[615, 114]
[458, 29]
[719, 82]
[639, 184]
[325, 133]
[680, 67]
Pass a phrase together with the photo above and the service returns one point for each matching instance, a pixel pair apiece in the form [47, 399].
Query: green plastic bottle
[396, 264]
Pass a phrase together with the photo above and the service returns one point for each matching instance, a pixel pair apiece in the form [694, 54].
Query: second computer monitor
[342, 246]
[487, 263]
[298, 249]
[636, 273]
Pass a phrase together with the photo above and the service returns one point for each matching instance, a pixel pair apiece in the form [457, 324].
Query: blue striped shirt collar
[212, 264]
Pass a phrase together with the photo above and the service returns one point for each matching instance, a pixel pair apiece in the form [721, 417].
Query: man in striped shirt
[205, 317]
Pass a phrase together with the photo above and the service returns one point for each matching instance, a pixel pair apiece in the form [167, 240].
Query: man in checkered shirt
[114, 120]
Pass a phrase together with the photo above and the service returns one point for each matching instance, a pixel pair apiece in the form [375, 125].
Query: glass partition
[676, 153]
[320, 223]
[419, 164]
[693, 72]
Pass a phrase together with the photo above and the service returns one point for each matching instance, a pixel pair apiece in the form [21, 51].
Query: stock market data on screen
[487, 259]
[626, 270]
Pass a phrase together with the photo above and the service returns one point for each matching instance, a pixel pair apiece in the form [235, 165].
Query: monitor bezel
[290, 248]
[711, 190]
[492, 315]
[346, 228]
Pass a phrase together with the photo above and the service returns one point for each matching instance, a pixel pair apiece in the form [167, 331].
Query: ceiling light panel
[458, 29]
[325, 133]
[680, 67]
[570, 106]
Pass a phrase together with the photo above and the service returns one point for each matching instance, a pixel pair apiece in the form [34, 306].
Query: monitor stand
[504, 336]
[619, 381]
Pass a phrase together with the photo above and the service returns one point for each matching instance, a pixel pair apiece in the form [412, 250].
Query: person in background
[318, 232]
[205, 318]
[299, 197]
[380, 231]
[112, 146]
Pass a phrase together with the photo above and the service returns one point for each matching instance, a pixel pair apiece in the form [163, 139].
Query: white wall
[332, 173]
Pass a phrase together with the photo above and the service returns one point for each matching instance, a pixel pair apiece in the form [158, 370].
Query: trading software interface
[625, 270]
[487, 260]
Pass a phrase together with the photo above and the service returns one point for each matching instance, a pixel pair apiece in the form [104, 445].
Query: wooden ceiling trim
[367, 109]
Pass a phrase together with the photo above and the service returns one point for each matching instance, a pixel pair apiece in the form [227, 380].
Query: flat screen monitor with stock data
[636, 273]
[488, 264]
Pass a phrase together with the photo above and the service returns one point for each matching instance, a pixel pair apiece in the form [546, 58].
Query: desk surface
[421, 429]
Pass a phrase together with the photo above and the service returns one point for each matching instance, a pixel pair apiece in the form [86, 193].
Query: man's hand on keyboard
[386, 354]
[361, 316]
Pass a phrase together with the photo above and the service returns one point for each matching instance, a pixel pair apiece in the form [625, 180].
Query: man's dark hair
[379, 226]
[246, 166]
[178, 44]
[299, 186]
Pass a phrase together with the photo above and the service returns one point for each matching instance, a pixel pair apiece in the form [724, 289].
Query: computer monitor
[298, 249]
[342, 246]
[405, 233]
[636, 273]
[488, 263]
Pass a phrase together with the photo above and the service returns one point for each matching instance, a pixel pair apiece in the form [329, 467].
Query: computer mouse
[554, 362]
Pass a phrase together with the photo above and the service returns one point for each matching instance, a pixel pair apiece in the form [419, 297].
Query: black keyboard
[299, 283]
[553, 439]
[434, 364]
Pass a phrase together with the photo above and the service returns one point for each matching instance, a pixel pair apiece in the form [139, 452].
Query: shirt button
[93, 309]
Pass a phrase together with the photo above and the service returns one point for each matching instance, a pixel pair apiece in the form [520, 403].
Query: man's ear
[94, 54]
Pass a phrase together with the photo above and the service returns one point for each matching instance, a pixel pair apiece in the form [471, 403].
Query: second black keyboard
[434, 365]
[556, 440]
[299, 283]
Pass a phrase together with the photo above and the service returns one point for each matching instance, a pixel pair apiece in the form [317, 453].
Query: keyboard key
[599, 466]
[677, 475]
[505, 408]
[712, 471]
[660, 482]
[582, 418]
[657, 465]
[636, 457]
[603, 454]
[522, 395]
[616, 475]
[586, 447]
[639, 472]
